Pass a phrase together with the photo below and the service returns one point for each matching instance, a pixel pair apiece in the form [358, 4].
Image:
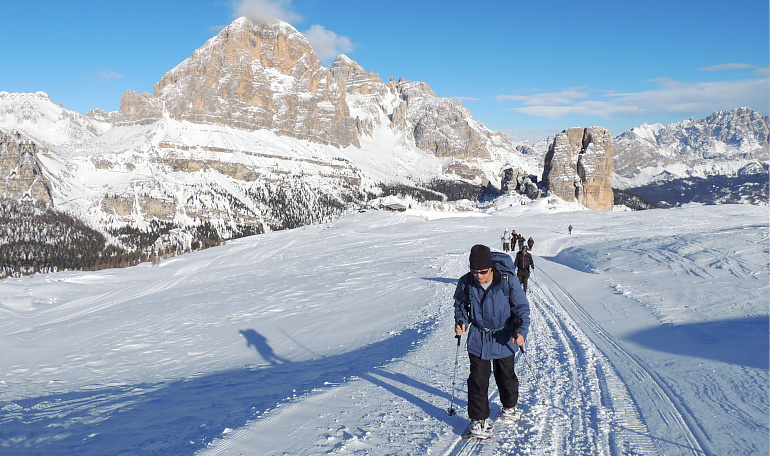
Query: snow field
[649, 337]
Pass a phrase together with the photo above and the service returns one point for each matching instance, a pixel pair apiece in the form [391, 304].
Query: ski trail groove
[632, 432]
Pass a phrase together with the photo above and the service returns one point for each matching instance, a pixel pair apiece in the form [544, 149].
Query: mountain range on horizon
[252, 133]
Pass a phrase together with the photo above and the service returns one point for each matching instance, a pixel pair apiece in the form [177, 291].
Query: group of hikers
[493, 311]
[523, 262]
[511, 238]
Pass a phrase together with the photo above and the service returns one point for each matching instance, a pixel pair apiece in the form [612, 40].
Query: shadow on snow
[182, 416]
[741, 341]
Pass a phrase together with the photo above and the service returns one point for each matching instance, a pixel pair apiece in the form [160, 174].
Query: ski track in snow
[582, 391]
[577, 405]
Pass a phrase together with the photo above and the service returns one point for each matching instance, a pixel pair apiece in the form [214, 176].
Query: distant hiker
[570, 230]
[521, 242]
[506, 238]
[523, 264]
[498, 314]
[530, 243]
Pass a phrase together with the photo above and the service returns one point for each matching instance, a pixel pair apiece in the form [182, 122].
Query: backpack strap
[470, 294]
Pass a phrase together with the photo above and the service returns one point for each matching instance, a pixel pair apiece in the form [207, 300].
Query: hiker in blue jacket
[495, 311]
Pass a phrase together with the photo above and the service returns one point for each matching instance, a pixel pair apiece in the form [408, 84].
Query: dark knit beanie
[481, 257]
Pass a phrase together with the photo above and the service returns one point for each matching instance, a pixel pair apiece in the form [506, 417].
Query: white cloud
[728, 67]
[517, 136]
[327, 44]
[668, 83]
[547, 99]
[264, 11]
[672, 97]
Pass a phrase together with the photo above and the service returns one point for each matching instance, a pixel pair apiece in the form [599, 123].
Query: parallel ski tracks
[622, 377]
[583, 399]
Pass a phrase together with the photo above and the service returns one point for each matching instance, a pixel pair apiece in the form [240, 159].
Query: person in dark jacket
[495, 313]
[530, 243]
[521, 241]
[523, 264]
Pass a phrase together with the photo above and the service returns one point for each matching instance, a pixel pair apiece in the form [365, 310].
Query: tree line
[37, 239]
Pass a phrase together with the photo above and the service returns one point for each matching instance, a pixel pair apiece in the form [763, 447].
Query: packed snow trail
[573, 401]
[578, 406]
[337, 339]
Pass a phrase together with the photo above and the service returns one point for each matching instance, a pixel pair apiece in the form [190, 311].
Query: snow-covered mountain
[722, 158]
[250, 134]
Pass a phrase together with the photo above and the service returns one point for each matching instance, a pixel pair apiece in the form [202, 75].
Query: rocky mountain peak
[252, 76]
[357, 79]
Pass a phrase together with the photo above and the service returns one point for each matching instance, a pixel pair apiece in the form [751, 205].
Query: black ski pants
[478, 385]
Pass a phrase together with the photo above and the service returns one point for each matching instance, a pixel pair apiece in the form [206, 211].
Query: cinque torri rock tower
[579, 166]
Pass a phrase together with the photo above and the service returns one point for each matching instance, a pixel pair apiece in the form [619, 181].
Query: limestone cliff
[579, 167]
[252, 77]
[21, 177]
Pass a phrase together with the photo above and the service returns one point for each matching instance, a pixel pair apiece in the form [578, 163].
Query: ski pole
[451, 411]
[524, 355]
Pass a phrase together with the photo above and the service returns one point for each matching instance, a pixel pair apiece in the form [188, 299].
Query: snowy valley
[211, 270]
[230, 146]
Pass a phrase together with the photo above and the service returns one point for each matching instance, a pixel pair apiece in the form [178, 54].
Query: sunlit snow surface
[649, 336]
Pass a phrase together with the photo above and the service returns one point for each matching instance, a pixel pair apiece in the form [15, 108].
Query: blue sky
[524, 67]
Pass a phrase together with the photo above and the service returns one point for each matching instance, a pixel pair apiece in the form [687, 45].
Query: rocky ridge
[740, 136]
[21, 175]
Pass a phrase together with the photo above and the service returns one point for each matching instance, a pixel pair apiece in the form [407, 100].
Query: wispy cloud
[465, 98]
[516, 136]
[728, 67]
[103, 77]
[265, 11]
[671, 97]
[548, 98]
[327, 44]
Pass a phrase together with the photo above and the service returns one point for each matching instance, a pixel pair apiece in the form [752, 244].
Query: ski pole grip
[458, 339]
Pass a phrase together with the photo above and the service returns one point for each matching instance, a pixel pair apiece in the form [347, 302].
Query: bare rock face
[442, 125]
[252, 77]
[139, 109]
[366, 93]
[579, 167]
[20, 171]
[439, 125]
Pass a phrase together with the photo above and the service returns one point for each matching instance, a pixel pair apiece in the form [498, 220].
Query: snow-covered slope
[186, 173]
[649, 336]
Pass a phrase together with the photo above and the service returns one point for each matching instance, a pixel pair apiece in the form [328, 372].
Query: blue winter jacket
[491, 335]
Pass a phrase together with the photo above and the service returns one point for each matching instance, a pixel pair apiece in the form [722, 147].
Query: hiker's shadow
[259, 342]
